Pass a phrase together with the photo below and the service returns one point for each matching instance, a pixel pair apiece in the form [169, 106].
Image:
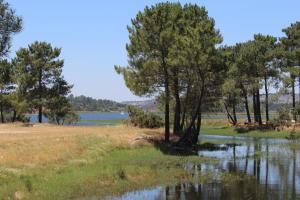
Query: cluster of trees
[175, 53]
[33, 80]
[83, 103]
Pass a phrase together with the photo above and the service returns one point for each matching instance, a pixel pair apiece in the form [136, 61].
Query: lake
[106, 119]
[90, 118]
[269, 169]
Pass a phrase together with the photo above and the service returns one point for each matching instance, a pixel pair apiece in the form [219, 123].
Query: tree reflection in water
[268, 170]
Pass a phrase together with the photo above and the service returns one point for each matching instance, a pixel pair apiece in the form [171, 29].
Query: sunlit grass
[108, 121]
[226, 130]
[114, 173]
[53, 162]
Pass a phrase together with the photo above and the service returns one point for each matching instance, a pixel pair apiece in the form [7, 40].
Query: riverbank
[52, 162]
[225, 130]
[63, 162]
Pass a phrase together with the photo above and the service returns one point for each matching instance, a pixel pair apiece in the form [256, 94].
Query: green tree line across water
[175, 54]
[83, 103]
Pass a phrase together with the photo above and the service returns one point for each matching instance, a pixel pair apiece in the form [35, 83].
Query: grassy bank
[226, 130]
[50, 162]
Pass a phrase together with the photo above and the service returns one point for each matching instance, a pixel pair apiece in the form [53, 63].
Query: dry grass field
[45, 144]
[66, 162]
[63, 162]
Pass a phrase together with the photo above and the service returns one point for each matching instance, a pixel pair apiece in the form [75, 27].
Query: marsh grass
[230, 131]
[50, 162]
[92, 161]
[117, 172]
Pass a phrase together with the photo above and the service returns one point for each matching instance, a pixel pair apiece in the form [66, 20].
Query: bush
[293, 135]
[71, 118]
[143, 119]
[283, 118]
[283, 113]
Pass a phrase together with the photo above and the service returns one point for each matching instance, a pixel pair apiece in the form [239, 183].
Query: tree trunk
[191, 135]
[182, 120]
[234, 114]
[167, 101]
[229, 116]
[57, 121]
[185, 107]
[199, 120]
[246, 103]
[258, 107]
[177, 111]
[14, 116]
[247, 109]
[254, 107]
[40, 115]
[40, 98]
[294, 98]
[1, 111]
[267, 98]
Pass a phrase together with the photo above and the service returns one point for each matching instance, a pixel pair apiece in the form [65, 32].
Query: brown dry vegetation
[45, 144]
[60, 162]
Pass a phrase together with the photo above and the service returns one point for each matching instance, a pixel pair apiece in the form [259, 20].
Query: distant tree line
[83, 103]
[32, 81]
[175, 54]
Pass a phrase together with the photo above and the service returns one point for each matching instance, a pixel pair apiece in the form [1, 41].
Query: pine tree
[38, 69]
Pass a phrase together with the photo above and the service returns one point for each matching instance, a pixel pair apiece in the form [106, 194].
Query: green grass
[229, 131]
[118, 171]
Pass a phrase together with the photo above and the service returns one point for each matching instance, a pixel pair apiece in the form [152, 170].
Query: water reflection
[271, 169]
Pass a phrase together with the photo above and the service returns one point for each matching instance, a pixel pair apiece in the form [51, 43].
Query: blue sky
[93, 34]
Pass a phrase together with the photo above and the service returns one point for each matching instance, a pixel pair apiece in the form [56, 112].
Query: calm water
[114, 116]
[90, 116]
[272, 168]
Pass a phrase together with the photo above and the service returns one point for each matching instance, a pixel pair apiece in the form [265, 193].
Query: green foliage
[38, 68]
[172, 51]
[40, 80]
[83, 103]
[283, 113]
[10, 24]
[294, 135]
[283, 118]
[143, 119]
[60, 111]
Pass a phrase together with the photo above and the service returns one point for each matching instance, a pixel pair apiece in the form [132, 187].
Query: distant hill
[83, 103]
[149, 105]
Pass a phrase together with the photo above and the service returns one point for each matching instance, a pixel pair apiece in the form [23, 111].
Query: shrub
[71, 118]
[293, 135]
[143, 119]
[283, 118]
[283, 113]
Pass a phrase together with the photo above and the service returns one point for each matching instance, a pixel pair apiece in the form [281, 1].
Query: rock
[19, 195]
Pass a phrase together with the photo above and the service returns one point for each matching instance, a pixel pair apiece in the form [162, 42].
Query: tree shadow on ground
[248, 128]
[172, 148]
